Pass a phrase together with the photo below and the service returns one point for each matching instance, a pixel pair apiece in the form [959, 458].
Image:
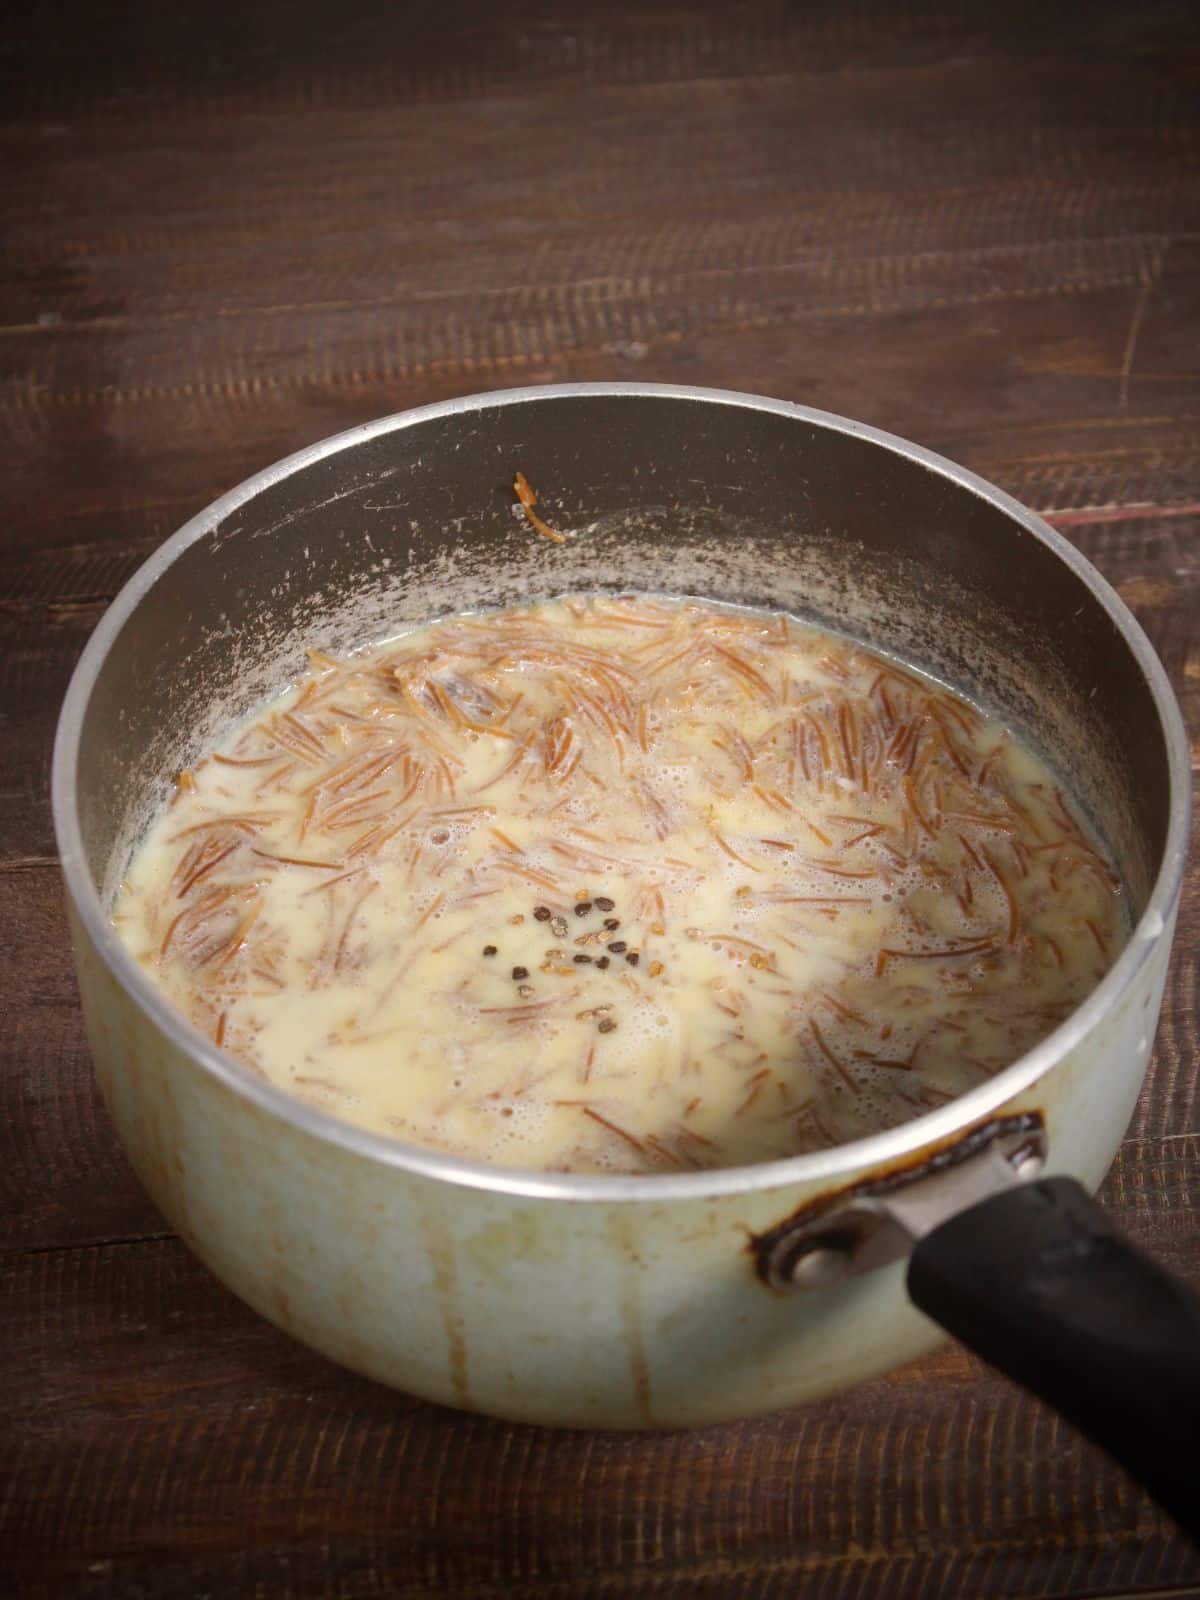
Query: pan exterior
[574, 1299]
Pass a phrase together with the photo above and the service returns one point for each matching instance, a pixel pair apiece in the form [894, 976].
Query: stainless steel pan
[656, 1301]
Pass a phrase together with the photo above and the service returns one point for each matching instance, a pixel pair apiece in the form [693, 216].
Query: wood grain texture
[227, 234]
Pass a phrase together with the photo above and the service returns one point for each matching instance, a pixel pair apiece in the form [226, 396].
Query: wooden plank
[142, 362]
[109, 276]
[63, 1177]
[153, 64]
[175, 1433]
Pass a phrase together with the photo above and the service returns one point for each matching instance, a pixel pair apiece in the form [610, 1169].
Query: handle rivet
[1028, 1162]
[817, 1266]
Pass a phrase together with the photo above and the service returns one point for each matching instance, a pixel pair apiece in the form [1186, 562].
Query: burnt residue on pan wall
[764, 1246]
[443, 1265]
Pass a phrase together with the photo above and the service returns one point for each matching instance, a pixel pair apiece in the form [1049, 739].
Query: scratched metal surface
[227, 236]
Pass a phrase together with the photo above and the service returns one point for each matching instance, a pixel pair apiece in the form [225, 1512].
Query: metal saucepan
[606, 1301]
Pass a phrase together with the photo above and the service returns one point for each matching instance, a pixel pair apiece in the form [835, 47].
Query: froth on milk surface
[629, 885]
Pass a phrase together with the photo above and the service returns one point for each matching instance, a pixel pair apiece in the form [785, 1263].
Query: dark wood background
[977, 225]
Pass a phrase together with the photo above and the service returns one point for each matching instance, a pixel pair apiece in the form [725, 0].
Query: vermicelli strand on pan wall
[632, 885]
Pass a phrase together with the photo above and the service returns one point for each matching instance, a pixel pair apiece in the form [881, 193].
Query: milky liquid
[622, 885]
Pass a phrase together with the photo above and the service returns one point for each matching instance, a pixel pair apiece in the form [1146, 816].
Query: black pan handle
[1038, 1282]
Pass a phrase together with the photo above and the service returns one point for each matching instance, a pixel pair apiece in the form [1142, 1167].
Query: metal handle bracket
[880, 1221]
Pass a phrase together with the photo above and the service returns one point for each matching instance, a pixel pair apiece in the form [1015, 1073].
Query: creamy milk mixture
[622, 885]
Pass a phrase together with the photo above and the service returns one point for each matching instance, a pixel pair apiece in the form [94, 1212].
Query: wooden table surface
[975, 225]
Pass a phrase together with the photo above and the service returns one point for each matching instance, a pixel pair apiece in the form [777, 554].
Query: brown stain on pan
[443, 1265]
[922, 1164]
[629, 1308]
